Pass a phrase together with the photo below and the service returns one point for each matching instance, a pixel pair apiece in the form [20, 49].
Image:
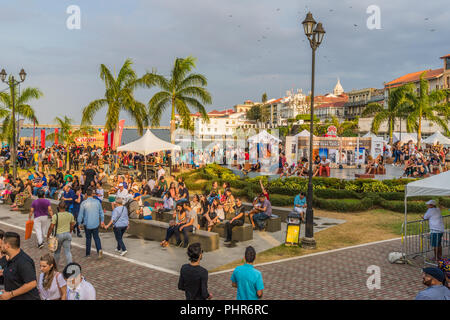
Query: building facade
[359, 99]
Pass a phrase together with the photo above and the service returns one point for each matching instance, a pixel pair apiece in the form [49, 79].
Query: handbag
[52, 240]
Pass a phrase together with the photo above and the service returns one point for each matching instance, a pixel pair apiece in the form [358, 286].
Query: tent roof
[433, 186]
[304, 133]
[406, 136]
[263, 136]
[437, 137]
[147, 144]
[372, 135]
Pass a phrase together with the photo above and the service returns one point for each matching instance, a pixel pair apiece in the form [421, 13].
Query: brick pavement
[333, 275]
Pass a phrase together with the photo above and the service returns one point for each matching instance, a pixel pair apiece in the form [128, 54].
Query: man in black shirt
[89, 175]
[2, 261]
[194, 278]
[238, 220]
[19, 273]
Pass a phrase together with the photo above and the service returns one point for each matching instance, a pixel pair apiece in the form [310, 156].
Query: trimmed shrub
[343, 205]
[337, 194]
[281, 200]
[399, 206]
[444, 202]
[392, 195]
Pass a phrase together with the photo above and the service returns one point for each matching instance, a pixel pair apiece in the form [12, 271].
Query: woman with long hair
[51, 284]
[22, 196]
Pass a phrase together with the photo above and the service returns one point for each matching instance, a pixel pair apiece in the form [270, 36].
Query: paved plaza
[337, 274]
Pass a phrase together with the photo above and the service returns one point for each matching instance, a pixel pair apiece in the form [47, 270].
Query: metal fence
[416, 240]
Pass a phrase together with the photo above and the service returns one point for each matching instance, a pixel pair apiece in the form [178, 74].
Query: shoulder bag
[52, 240]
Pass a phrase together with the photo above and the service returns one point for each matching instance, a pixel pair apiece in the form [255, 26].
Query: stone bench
[238, 233]
[156, 231]
[364, 176]
[27, 204]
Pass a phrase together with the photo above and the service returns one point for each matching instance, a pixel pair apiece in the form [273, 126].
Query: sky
[243, 47]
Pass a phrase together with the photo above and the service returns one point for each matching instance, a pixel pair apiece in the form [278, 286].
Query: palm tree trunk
[391, 130]
[172, 123]
[419, 131]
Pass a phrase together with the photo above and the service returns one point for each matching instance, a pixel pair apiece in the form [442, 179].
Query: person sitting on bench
[324, 165]
[238, 220]
[261, 211]
[300, 205]
[316, 166]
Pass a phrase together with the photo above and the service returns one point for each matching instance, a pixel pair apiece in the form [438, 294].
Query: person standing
[19, 273]
[437, 228]
[77, 286]
[3, 261]
[119, 220]
[78, 199]
[51, 285]
[40, 209]
[193, 277]
[89, 175]
[433, 278]
[64, 223]
[247, 279]
[91, 215]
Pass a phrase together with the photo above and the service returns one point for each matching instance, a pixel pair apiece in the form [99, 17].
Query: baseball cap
[432, 202]
[120, 184]
[137, 194]
[435, 273]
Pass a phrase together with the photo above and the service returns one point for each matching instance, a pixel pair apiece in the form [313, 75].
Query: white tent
[405, 137]
[436, 137]
[263, 137]
[437, 185]
[148, 143]
[372, 135]
[304, 133]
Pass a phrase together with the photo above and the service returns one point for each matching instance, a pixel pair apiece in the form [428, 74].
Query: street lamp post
[12, 82]
[315, 37]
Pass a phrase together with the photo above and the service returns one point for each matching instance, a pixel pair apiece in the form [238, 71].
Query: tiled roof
[338, 104]
[446, 56]
[414, 77]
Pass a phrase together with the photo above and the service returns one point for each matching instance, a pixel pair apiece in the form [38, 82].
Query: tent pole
[405, 223]
[145, 160]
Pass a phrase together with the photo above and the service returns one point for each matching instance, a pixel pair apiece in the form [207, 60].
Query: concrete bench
[238, 233]
[273, 224]
[156, 231]
[27, 204]
[364, 176]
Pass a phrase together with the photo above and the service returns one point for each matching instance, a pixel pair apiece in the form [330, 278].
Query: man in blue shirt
[433, 278]
[69, 198]
[247, 279]
[90, 215]
[300, 204]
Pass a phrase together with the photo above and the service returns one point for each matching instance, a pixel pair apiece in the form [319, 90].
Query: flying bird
[331, 10]
[231, 16]
[433, 30]
[278, 9]
[426, 18]
[355, 25]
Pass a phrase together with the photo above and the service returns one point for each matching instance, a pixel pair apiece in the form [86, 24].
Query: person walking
[247, 279]
[51, 284]
[40, 210]
[64, 223]
[119, 220]
[77, 286]
[20, 273]
[90, 217]
[193, 277]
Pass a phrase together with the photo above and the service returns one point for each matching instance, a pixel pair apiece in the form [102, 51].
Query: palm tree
[348, 126]
[397, 102]
[119, 97]
[22, 109]
[426, 105]
[181, 91]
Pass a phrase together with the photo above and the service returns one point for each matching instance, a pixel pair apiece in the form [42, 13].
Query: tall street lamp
[315, 34]
[12, 82]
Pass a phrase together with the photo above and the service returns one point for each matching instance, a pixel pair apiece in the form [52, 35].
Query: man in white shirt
[151, 183]
[161, 172]
[122, 192]
[437, 228]
[77, 287]
[325, 165]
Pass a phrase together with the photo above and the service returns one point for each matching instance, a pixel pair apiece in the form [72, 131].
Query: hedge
[399, 206]
[343, 205]
[281, 200]
[336, 194]
[444, 202]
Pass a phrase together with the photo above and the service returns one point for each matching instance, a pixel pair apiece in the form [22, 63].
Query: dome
[338, 90]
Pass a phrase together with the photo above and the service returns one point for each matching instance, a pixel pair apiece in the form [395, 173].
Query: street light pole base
[308, 243]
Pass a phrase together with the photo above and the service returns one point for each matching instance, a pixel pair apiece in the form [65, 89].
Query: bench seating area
[156, 231]
[364, 176]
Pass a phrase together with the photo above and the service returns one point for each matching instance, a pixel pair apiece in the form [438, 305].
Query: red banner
[121, 125]
[42, 138]
[105, 136]
[112, 140]
[56, 136]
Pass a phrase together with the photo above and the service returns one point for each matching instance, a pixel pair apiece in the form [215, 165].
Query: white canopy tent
[263, 137]
[433, 186]
[405, 137]
[372, 135]
[437, 137]
[304, 133]
[148, 143]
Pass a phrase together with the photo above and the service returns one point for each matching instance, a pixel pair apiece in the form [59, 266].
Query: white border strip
[143, 264]
[311, 255]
